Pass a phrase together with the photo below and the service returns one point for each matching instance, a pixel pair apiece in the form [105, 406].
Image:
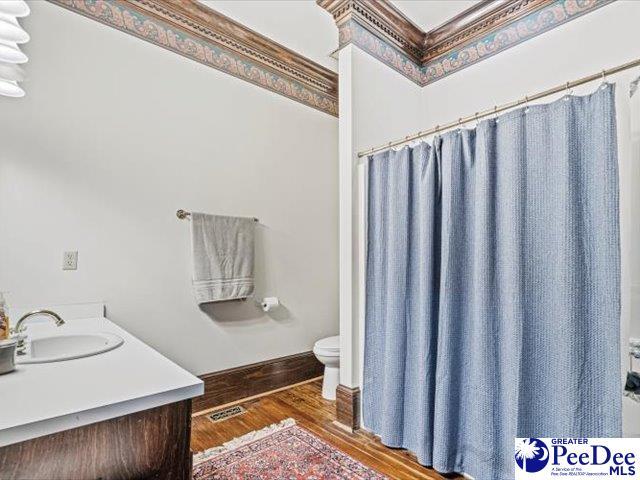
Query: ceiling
[429, 14]
[301, 25]
[307, 29]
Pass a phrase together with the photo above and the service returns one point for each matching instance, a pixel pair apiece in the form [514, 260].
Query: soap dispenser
[4, 318]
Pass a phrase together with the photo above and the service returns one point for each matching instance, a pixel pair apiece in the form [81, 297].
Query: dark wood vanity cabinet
[151, 444]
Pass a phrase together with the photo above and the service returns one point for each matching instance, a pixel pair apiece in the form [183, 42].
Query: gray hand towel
[223, 257]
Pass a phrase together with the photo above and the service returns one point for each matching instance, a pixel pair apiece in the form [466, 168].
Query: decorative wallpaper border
[555, 13]
[352, 32]
[131, 17]
[191, 29]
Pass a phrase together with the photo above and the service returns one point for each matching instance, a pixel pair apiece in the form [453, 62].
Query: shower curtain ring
[526, 103]
[604, 78]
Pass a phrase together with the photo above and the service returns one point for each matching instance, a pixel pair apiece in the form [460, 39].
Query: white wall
[116, 134]
[602, 39]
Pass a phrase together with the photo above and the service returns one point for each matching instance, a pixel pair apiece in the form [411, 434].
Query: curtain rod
[501, 108]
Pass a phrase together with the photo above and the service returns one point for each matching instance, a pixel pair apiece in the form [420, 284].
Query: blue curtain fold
[493, 287]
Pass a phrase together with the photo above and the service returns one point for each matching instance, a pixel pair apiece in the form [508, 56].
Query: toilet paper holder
[268, 303]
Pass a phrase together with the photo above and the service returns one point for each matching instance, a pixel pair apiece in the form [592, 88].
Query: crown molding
[477, 21]
[380, 17]
[196, 31]
[485, 29]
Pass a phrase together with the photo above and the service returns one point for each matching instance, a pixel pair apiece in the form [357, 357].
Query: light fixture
[10, 53]
[14, 8]
[11, 72]
[10, 89]
[11, 34]
[11, 31]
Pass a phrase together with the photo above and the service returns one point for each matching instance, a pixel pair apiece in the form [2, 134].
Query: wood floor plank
[305, 404]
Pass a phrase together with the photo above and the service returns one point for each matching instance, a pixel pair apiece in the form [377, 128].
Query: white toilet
[327, 351]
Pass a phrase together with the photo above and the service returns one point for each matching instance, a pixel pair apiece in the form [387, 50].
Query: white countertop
[40, 399]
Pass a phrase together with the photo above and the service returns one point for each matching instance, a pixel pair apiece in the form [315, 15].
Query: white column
[349, 330]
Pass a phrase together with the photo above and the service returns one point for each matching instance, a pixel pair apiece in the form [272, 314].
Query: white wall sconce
[10, 53]
[14, 8]
[12, 34]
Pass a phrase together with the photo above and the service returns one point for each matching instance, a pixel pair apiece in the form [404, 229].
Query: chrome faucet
[19, 328]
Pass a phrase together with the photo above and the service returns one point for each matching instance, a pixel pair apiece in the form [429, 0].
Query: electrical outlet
[634, 347]
[70, 261]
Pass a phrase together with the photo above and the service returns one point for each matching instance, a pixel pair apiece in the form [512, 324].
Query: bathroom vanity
[120, 414]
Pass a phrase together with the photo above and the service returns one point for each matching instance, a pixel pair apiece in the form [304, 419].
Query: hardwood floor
[305, 404]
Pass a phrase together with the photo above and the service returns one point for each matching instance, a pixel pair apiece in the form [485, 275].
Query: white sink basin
[66, 347]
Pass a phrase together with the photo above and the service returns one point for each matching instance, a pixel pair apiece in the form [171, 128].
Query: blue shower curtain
[493, 287]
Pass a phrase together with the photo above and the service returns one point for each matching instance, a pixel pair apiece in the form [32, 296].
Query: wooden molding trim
[193, 30]
[480, 19]
[348, 407]
[234, 384]
[381, 17]
[485, 29]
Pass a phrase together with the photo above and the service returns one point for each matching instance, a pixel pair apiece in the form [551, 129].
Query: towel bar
[182, 214]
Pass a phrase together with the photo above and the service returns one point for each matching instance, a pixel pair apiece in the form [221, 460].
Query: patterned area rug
[280, 451]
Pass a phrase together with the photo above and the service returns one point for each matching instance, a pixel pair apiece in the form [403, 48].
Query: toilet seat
[328, 347]
[327, 351]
